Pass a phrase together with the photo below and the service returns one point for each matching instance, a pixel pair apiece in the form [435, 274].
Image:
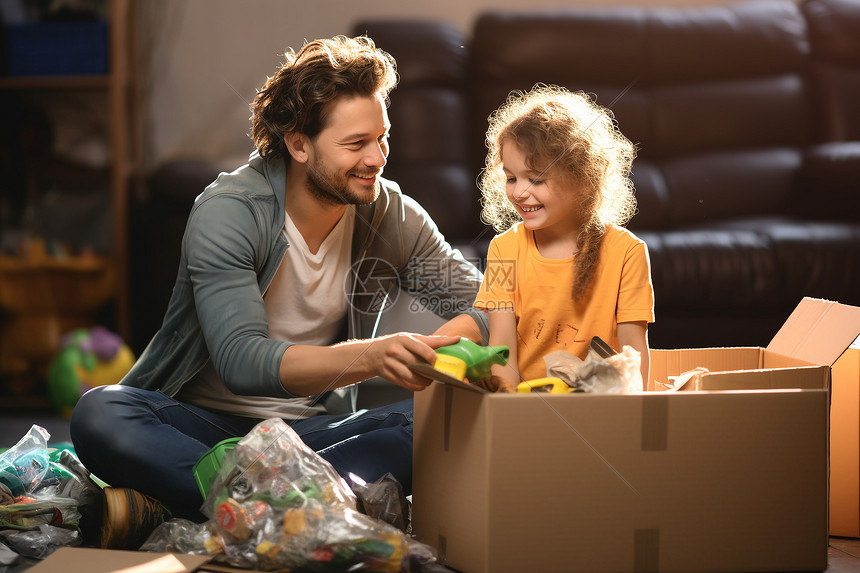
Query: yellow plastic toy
[452, 365]
[559, 386]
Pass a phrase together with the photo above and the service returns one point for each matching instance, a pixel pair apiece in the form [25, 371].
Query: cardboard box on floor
[845, 445]
[90, 560]
[730, 478]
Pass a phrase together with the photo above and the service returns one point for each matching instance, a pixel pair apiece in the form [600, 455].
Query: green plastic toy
[478, 359]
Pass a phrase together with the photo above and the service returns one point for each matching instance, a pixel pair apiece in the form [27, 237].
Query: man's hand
[391, 355]
[307, 370]
[495, 384]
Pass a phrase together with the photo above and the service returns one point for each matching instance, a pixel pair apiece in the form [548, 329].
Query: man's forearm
[308, 370]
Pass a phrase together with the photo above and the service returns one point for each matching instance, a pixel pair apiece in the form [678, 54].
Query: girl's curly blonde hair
[556, 128]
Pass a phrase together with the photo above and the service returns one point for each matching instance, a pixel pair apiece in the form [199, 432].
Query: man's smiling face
[347, 157]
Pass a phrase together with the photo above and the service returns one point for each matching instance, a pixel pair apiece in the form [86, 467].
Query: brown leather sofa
[747, 119]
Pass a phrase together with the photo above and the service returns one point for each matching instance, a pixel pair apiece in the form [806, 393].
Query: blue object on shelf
[57, 48]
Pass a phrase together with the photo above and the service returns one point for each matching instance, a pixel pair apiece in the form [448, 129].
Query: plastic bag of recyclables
[43, 494]
[277, 505]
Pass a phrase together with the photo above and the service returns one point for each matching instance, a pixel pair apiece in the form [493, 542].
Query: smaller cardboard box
[91, 560]
[733, 477]
[845, 445]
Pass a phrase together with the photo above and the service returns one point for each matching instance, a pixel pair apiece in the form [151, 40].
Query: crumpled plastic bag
[277, 505]
[383, 499]
[45, 492]
[619, 373]
[25, 465]
[38, 487]
[7, 556]
[30, 513]
[40, 542]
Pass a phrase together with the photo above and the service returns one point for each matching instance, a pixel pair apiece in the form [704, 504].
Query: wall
[202, 60]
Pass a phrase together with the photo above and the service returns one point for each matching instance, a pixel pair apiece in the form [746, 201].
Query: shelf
[42, 299]
[55, 82]
[55, 285]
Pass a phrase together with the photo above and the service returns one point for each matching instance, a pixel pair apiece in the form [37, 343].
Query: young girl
[558, 169]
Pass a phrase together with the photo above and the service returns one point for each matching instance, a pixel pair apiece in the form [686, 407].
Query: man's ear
[298, 145]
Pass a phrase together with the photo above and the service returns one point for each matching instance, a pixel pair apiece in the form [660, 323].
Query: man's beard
[334, 189]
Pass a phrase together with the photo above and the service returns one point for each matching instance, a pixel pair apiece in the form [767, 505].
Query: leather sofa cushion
[429, 115]
[834, 31]
[678, 80]
[754, 263]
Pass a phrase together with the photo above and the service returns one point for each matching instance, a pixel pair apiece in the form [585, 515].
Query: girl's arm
[463, 325]
[635, 335]
[503, 331]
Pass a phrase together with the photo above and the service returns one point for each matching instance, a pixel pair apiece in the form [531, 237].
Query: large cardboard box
[728, 479]
[845, 445]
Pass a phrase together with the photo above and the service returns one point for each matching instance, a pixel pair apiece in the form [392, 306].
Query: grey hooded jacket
[231, 249]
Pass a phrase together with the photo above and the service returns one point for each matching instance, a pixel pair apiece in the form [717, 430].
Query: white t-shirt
[306, 304]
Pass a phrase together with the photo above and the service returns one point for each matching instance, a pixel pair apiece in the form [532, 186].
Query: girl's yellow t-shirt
[539, 290]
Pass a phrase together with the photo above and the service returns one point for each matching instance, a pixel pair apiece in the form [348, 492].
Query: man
[282, 258]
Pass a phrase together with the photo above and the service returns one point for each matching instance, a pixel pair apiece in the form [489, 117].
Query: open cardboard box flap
[800, 355]
[817, 332]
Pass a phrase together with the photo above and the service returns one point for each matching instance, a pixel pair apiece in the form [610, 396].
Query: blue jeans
[147, 441]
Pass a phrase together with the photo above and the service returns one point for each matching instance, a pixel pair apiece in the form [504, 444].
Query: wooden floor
[843, 555]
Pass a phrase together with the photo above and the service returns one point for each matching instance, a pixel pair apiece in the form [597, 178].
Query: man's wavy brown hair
[296, 99]
[556, 128]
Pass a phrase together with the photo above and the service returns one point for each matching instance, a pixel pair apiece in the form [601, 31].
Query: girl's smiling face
[545, 200]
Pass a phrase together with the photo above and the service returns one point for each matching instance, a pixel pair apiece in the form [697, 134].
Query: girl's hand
[495, 384]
